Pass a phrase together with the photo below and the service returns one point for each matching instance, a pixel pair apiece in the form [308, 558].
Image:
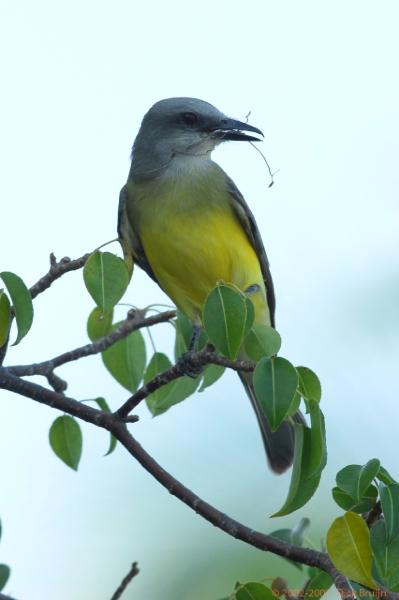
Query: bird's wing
[130, 239]
[248, 222]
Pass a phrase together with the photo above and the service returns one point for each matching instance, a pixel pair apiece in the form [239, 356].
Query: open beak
[230, 129]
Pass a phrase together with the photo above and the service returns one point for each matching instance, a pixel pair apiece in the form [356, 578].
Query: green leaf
[103, 405]
[5, 318]
[294, 406]
[225, 319]
[309, 384]
[348, 544]
[386, 556]
[173, 392]
[22, 303]
[106, 277]
[252, 591]
[356, 479]
[293, 536]
[361, 592]
[262, 341]
[210, 375]
[275, 382]
[318, 585]
[99, 323]
[385, 477]
[389, 497]
[299, 530]
[345, 501]
[66, 440]
[4, 575]
[286, 536]
[126, 359]
[250, 318]
[318, 448]
[302, 487]
[184, 333]
[158, 363]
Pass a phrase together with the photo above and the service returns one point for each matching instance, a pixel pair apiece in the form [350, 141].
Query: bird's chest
[192, 239]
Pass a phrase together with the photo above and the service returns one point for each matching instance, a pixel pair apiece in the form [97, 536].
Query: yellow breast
[193, 239]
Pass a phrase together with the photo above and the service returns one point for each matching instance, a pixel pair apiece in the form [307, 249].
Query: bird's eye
[190, 118]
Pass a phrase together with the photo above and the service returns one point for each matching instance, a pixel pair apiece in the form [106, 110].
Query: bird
[182, 220]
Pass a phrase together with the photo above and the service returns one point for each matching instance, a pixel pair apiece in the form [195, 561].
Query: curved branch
[134, 570]
[112, 423]
[262, 541]
[137, 321]
[57, 269]
[196, 359]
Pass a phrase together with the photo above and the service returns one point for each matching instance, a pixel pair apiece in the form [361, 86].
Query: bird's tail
[279, 444]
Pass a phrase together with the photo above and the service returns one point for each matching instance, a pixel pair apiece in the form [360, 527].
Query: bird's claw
[188, 367]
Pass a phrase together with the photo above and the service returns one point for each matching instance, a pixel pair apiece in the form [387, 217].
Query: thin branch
[57, 269]
[36, 392]
[262, 541]
[134, 570]
[237, 530]
[58, 384]
[196, 359]
[117, 427]
[126, 327]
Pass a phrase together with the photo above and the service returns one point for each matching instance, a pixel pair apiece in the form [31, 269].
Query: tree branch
[112, 423]
[137, 321]
[57, 269]
[196, 359]
[134, 570]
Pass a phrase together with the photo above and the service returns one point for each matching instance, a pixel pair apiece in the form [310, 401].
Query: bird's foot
[188, 366]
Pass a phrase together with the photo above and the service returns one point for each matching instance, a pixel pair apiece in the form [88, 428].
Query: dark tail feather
[279, 444]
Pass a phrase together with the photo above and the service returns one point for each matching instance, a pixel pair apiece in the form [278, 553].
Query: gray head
[182, 127]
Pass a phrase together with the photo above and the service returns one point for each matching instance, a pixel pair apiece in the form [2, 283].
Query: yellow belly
[190, 253]
[193, 239]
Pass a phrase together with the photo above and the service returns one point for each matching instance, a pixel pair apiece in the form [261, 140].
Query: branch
[262, 541]
[134, 570]
[56, 400]
[116, 424]
[196, 359]
[137, 321]
[232, 527]
[57, 269]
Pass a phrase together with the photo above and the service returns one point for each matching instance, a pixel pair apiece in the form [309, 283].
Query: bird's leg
[185, 363]
[193, 345]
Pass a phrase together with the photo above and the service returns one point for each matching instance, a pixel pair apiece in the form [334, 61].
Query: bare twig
[58, 384]
[57, 269]
[126, 327]
[134, 570]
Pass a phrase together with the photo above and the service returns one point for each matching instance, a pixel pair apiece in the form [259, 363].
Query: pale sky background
[321, 81]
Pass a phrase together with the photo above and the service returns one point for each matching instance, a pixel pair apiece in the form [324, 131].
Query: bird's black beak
[230, 129]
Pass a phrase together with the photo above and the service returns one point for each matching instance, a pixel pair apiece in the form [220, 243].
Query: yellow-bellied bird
[187, 225]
